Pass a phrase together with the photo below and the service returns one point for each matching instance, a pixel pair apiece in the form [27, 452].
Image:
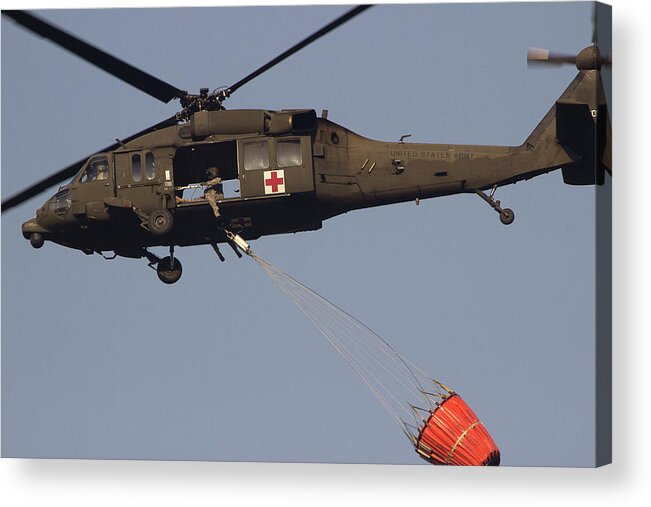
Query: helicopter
[284, 171]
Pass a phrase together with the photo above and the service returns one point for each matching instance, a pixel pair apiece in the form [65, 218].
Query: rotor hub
[589, 59]
[202, 102]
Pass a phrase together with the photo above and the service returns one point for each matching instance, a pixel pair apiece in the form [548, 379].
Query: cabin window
[256, 155]
[289, 153]
[150, 168]
[97, 169]
[136, 167]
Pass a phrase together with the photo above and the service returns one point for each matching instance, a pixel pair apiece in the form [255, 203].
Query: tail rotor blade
[540, 55]
[594, 23]
[537, 55]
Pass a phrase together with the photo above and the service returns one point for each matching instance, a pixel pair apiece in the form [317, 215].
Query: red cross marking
[274, 181]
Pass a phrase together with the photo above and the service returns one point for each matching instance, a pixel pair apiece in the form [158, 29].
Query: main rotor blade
[128, 73]
[72, 169]
[326, 29]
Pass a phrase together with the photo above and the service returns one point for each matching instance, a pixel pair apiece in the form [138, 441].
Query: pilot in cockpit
[102, 171]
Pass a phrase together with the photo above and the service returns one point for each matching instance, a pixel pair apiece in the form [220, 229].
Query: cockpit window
[96, 170]
[136, 167]
[60, 203]
[150, 168]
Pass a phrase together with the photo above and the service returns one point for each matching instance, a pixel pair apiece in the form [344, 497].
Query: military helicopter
[291, 169]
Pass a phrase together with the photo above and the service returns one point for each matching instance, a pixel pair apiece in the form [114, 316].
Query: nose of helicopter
[39, 228]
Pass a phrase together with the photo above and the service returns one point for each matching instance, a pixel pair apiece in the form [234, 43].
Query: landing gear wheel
[507, 216]
[166, 272]
[160, 222]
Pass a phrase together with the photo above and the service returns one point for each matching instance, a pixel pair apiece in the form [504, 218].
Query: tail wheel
[169, 271]
[160, 222]
[507, 216]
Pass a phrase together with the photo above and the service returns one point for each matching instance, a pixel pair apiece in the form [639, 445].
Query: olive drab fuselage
[288, 171]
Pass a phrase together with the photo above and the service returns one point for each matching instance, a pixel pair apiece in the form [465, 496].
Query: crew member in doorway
[214, 190]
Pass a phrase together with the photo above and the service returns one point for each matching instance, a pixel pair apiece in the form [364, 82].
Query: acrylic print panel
[100, 360]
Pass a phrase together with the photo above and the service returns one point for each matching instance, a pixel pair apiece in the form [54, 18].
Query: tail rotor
[589, 58]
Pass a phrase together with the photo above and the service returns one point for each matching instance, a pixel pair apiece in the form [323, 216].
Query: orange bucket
[453, 435]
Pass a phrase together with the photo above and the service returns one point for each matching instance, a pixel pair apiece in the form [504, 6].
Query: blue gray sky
[101, 360]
